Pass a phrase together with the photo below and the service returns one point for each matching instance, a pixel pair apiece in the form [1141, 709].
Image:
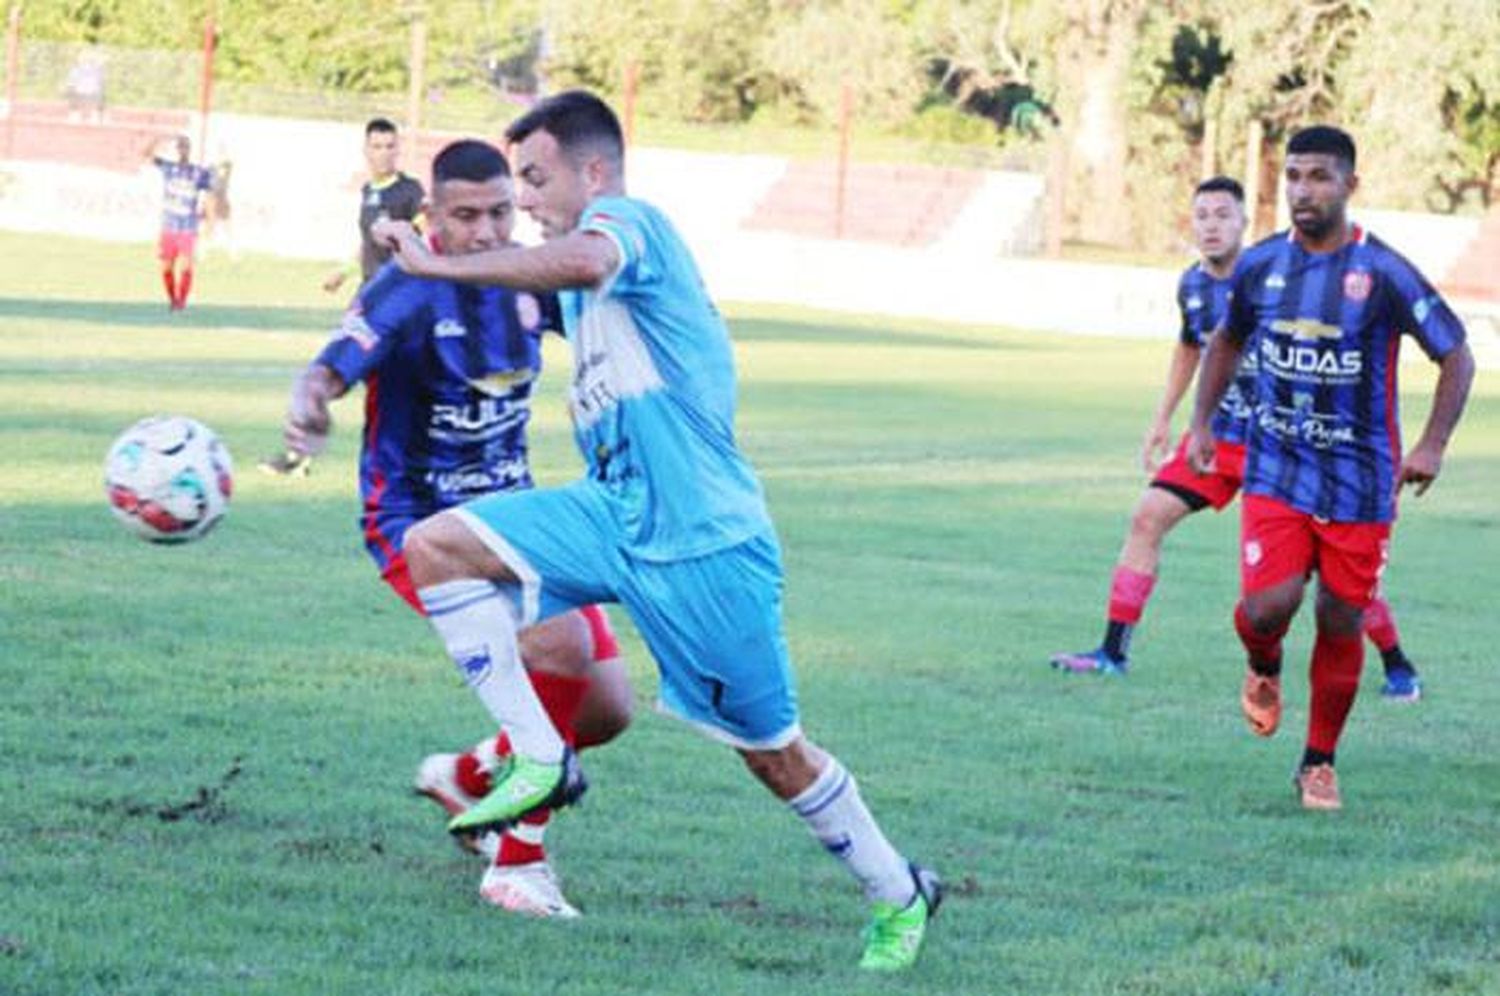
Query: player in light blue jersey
[669, 520]
[448, 371]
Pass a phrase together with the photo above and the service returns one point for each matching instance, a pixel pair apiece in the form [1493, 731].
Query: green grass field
[208, 749]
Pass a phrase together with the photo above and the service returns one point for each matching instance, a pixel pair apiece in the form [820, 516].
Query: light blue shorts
[713, 622]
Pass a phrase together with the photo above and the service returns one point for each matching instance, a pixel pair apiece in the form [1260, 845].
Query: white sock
[837, 816]
[478, 626]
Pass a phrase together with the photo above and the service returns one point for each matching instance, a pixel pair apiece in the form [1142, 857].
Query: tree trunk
[1094, 58]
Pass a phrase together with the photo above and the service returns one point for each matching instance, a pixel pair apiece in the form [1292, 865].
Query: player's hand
[335, 280]
[1156, 446]
[307, 426]
[1200, 449]
[407, 246]
[1419, 469]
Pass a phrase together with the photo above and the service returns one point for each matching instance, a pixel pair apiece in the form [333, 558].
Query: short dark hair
[1324, 139]
[1221, 184]
[577, 119]
[383, 125]
[468, 159]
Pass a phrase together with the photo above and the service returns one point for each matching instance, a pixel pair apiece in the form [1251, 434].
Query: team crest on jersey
[1357, 284]
[1253, 553]
[528, 312]
[449, 328]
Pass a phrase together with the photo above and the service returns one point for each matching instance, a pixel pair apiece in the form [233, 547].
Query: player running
[670, 519]
[184, 184]
[448, 372]
[1176, 491]
[1323, 306]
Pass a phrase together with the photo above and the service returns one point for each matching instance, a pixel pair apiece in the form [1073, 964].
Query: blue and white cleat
[1092, 662]
[1402, 684]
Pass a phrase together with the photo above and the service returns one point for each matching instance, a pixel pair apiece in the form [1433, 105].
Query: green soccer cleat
[894, 936]
[521, 787]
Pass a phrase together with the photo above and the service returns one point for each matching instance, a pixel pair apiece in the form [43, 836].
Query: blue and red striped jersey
[1203, 300]
[448, 372]
[1326, 329]
[181, 185]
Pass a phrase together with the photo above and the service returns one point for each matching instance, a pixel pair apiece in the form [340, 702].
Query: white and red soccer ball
[168, 479]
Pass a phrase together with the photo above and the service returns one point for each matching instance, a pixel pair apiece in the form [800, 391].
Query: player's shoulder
[1385, 258]
[392, 287]
[1259, 257]
[1266, 250]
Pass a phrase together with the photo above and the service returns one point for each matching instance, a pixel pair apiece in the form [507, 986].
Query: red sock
[1264, 648]
[1128, 592]
[1336, 662]
[1380, 625]
[184, 285]
[522, 843]
[561, 696]
[169, 281]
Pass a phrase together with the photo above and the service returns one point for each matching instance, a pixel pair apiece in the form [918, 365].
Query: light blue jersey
[653, 394]
[670, 520]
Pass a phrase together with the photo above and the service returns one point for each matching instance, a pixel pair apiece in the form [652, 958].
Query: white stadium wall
[294, 194]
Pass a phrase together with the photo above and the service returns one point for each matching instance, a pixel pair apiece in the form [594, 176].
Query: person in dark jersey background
[387, 194]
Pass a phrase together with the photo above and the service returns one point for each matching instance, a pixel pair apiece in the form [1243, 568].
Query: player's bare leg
[826, 798]
[1156, 514]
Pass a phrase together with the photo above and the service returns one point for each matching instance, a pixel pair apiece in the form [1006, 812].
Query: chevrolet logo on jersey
[1306, 328]
[501, 382]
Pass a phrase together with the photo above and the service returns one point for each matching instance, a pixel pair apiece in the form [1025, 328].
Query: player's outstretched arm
[308, 420]
[579, 259]
[1218, 370]
[1420, 467]
[1158, 441]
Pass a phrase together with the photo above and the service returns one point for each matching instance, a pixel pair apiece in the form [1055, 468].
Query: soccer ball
[168, 479]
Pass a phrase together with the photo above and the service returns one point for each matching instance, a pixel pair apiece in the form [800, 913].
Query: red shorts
[1279, 542]
[174, 244]
[1199, 490]
[606, 646]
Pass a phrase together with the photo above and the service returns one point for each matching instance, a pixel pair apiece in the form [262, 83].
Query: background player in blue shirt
[448, 372]
[1323, 307]
[184, 183]
[1176, 490]
[669, 520]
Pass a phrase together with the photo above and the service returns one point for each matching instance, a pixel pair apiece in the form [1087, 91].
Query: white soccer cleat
[529, 889]
[435, 780]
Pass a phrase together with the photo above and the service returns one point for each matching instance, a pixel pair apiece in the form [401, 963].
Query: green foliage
[1412, 81]
[1473, 117]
